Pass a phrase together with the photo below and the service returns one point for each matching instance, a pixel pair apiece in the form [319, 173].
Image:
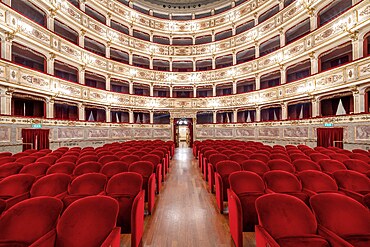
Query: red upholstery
[55, 185]
[15, 188]
[36, 169]
[139, 153]
[101, 153]
[5, 154]
[285, 220]
[68, 158]
[146, 170]
[129, 159]
[26, 160]
[260, 156]
[50, 159]
[87, 158]
[87, 167]
[62, 167]
[357, 165]
[298, 156]
[213, 160]
[85, 185]
[280, 164]
[318, 156]
[339, 157]
[29, 220]
[286, 183]
[223, 170]
[108, 158]
[345, 224]
[89, 221]
[239, 158]
[330, 166]
[6, 159]
[256, 166]
[279, 156]
[317, 182]
[126, 188]
[363, 157]
[360, 151]
[10, 168]
[156, 161]
[204, 159]
[2, 205]
[354, 184]
[304, 165]
[112, 168]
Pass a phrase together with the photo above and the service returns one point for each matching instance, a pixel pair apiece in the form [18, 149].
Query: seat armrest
[357, 196]
[47, 240]
[331, 237]
[151, 193]
[137, 219]
[219, 192]
[263, 238]
[235, 218]
[113, 239]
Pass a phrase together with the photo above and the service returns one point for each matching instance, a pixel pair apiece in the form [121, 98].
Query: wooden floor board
[185, 213]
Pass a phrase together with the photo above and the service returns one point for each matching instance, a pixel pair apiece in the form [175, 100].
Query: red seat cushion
[305, 240]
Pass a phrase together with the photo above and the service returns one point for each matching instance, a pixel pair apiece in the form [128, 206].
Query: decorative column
[170, 64]
[50, 20]
[213, 62]
[315, 107]
[81, 74]
[194, 36]
[255, 19]
[234, 57]
[6, 46]
[235, 116]
[284, 111]
[214, 90]
[170, 39]
[213, 35]
[108, 19]
[281, 4]
[233, 30]
[107, 82]
[50, 63]
[7, 2]
[258, 81]
[131, 116]
[214, 117]
[257, 49]
[358, 100]
[194, 65]
[282, 37]
[313, 22]
[151, 117]
[151, 90]
[82, 5]
[234, 87]
[258, 114]
[151, 62]
[171, 91]
[108, 117]
[282, 75]
[49, 108]
[81, 37]
[130, 57]
[81, 112]
[131, 87]
[357, 47]
[5, 102]
[194, 91]
[131, 30]
[107, 49]
[314, 63]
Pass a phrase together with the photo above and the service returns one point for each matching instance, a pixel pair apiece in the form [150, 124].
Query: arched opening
[336, 105]
[95, 114]
[65, 111]
[271, 113]
[27, 57]
[26, 105]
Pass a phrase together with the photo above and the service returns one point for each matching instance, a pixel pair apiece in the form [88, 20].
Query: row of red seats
[88, 162]
[223, 159]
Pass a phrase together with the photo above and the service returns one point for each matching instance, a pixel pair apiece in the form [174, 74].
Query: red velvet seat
[330, 166]
[139, 153]
[54, 185]
[204, 159]
[245, 188]
[62, 167]
[360, 151]
[2, 205]
[107, 158]
[101, 153]
[339, 157]
[223, 170]
[345, 224]
[316, 157]
[354, 184]
[305, 165]
[87, 158]
[363, 157]
[317, 182]
[15, 188]
[156, 161]
[357, 165]
[286, 221]
[9, 169]
[126, 188]
[68, 158]
[286, 183]
[238, 157]
[36, 169]
[279, 156]
[165, 165]
[129, 159]
[25, 160]
[90, 221]
[298, 156]
[256, 166]
[7, 159]
[121, 153]
[50, 159]
[213, 160]
[260, 156]
[146, 170]
[280, 164]
[87, 167]
[5, 154]
[85, 185]
[27, 221]
[112, 168]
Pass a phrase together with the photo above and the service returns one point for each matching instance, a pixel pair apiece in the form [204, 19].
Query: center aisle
[185, 212]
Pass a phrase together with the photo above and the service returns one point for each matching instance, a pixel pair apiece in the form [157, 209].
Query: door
[330, 137]
[35, 138]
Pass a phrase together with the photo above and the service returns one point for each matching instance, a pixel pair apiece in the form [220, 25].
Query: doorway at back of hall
[183, 132]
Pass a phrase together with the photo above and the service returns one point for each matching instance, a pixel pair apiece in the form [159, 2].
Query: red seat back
[353, 181]
[88, 184]
[16, 184]
[87, 167]
[62, 167]
[317, 181]
[304, 165]
[357, 165]
[107, 158]
[129, 159]
[51, 185]
[256, 166]
[280, 164]
[112, 168]
[282, 182]
[330, 166]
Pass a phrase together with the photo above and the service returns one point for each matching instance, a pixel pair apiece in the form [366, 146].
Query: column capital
[9, 36]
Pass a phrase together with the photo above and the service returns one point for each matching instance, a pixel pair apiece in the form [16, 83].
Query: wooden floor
[185, 213]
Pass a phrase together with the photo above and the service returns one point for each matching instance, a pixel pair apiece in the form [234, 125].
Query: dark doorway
[183, 132]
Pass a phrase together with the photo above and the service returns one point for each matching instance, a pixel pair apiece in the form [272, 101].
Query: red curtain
[38, 137]
[329, 137]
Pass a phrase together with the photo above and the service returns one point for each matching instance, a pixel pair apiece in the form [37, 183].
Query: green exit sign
[328, 124]
[36, 126]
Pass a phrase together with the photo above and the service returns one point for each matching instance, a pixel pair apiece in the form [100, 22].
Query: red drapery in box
[330, 137]
[38, 137]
